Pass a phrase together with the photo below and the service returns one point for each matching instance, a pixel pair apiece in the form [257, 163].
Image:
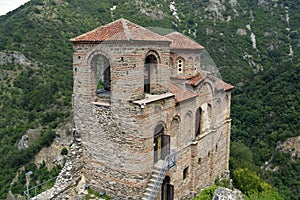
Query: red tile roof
[219, 84]
[180, 41]
[181, 92]
[120, 30]
[227, 86]
[194, 81]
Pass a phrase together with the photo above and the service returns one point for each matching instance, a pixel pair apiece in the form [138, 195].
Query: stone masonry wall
[127, 65]
[118, 152]
[115, 160]
[191, 59]
[117, 137]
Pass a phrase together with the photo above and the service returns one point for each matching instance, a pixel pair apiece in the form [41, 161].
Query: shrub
[248, 181]
[207, 193]
[64, 151]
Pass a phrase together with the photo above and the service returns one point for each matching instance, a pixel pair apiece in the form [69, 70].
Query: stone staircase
[156, 179]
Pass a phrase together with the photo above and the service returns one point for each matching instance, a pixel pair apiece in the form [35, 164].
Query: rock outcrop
[28, 138]
[13, 57]
[227, 194]
[290, 146]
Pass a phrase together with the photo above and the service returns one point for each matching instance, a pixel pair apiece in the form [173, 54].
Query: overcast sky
[9, 5]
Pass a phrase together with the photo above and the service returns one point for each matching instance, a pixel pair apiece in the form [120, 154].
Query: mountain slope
[255, 44]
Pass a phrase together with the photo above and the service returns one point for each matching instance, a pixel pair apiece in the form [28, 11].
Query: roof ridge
[126, 30]
[120, 29]
[144, 28]
[154, 33]
[181, 41]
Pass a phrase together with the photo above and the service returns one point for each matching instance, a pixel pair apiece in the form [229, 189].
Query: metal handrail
[168, 163]
[35, 187]
[171, 159]
[158, 181]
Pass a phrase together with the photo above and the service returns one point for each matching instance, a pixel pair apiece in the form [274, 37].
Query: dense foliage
[265, 103]
[271, 115]
[272, 111]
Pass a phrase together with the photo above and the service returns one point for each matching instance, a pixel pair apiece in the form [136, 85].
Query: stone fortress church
[152, 123]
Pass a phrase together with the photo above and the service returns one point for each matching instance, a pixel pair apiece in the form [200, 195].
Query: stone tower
[152, 123]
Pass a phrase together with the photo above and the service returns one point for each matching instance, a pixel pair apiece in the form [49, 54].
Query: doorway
[161, 144]
[167, 190]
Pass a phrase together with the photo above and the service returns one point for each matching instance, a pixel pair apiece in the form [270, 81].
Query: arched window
[174, 131]
[209, 115]
[174, 126]
[150, 67]
[187, 133]
[199, 121]
[101, 71]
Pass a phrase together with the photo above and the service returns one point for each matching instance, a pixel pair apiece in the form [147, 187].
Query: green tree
[252, 185]
[64, 151]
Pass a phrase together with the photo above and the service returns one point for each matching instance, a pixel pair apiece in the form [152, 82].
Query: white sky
[9, 5]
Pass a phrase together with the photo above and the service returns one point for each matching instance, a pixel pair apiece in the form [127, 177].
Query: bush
[64, 151]
[248, 181]
[207, 193]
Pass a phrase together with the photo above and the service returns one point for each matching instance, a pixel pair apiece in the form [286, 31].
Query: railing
[168, 163]
[171, 159]
[27, 192]
[158, 182]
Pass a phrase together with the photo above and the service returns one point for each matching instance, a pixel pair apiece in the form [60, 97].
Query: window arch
[199, 121]
[206, 91]
[159, 129]
[174, 130]
[209, 115]
[187, 133]
[150, 69]
[175, 126]
[101, 73]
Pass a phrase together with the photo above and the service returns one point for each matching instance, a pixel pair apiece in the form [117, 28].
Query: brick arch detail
[90, 56]
[160, 123]
[155, 53]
